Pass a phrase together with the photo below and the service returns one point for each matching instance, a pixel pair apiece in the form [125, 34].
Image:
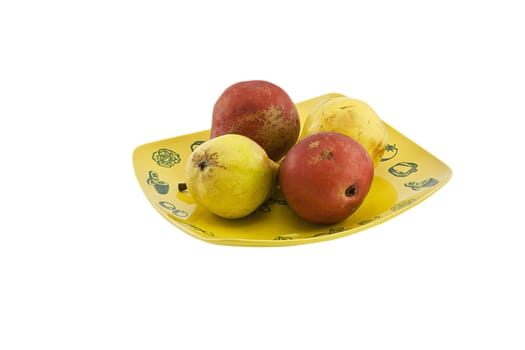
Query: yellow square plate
[406, 175]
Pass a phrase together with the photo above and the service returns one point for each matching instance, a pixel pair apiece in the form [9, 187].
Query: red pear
[261, 111]
[325, 177]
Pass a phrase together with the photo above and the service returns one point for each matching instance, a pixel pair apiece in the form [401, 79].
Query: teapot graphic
[160, 186]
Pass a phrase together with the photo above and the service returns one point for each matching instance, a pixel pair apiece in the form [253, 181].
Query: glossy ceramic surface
[406, 175]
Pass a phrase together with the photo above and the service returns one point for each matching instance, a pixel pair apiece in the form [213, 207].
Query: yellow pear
[351, 117]
[230, 175]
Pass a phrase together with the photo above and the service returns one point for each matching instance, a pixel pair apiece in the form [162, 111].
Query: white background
[87, 263]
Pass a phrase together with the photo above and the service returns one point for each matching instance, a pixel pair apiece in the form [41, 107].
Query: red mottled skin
[261, 111]
[325, 177]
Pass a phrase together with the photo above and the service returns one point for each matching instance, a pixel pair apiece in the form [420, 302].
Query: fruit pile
[257, 147]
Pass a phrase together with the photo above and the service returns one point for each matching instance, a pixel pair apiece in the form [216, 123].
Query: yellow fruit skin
[352, 117]
[230, 175]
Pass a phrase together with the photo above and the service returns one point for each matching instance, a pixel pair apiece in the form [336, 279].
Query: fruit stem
[182, 186]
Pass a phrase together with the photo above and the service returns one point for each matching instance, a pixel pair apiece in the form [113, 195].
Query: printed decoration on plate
[166, 158]
[160, 186]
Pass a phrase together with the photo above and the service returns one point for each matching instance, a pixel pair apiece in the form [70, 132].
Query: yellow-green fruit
[230, 175]
[352, 117]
